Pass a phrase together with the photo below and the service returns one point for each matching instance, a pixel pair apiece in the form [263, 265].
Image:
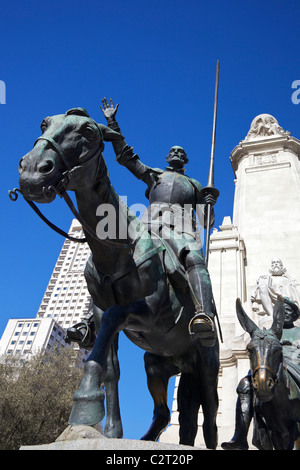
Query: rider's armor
[173, 193]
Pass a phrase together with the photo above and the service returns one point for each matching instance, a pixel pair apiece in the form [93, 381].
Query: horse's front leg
[88, 399]
[113, 425]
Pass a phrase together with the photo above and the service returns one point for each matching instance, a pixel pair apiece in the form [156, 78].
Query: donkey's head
[265, 350]
[69, 143]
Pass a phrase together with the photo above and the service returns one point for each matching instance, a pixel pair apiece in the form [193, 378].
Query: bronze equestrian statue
[132, 281]
[171, 192]
[270, 393]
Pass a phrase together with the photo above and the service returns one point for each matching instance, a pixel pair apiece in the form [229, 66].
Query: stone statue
[290, 341]
[271, 285]
[174, 198]
[263, 126]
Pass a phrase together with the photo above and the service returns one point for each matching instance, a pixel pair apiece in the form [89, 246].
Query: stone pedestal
[112, 445]
[88, 438]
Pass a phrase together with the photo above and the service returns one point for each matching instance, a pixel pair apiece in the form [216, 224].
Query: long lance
[210, 188]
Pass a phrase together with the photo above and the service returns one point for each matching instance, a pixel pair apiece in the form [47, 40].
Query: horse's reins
[13, 195]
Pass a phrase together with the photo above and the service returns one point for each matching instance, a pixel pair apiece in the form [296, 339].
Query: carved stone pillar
[267, 197]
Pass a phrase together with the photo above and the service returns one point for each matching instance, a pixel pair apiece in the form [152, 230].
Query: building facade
[65, 302]
[24, 337]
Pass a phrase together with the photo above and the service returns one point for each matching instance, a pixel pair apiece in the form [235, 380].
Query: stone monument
[265, 226]
[277, 282]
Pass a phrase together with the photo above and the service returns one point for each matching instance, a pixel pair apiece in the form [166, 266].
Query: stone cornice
[266, 144]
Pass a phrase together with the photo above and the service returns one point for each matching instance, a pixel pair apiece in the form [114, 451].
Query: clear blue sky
[157, 58]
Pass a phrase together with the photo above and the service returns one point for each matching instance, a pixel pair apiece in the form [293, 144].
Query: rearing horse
[128, 282]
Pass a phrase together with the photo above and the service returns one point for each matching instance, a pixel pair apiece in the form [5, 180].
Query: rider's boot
[81, 333]
[243, 416]
[202, 325]
[76, 333]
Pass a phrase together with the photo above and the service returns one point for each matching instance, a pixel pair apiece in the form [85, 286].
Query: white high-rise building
[67, 299]
[65, 302]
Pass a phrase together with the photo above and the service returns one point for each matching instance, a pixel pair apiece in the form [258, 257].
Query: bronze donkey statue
[276, 392]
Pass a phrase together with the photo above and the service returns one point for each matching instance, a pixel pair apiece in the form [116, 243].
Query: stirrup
[204, 319]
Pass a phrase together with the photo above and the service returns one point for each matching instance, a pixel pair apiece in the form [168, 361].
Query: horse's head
[64, 153]
[265, 350]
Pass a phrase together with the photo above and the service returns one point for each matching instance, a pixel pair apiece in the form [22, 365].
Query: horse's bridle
[61, 190]
[274, 375]
[264, 367]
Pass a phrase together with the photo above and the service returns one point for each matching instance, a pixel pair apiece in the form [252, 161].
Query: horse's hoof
[87, 409]
[156, 429]
[232, 445]
[114, 431]
[88, 401]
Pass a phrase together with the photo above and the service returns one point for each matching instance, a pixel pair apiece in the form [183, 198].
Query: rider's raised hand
[109, 110]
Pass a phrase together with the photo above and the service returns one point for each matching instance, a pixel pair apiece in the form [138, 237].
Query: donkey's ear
[246, 323]
[109, 135]
[278, 317]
